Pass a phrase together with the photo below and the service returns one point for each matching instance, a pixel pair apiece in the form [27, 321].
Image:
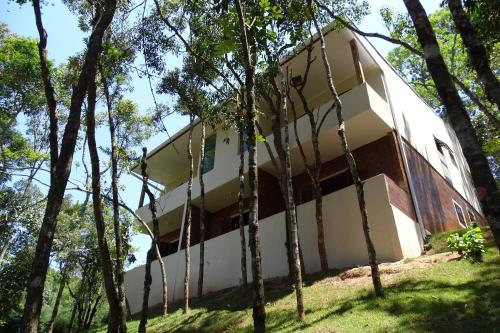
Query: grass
[452, 296]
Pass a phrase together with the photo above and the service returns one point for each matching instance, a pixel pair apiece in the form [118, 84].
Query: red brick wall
[377, 157]
[435, 196]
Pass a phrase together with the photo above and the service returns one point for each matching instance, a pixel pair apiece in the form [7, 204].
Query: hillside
[433, 293]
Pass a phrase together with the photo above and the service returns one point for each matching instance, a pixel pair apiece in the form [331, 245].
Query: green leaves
[470, 245]
[273, 11]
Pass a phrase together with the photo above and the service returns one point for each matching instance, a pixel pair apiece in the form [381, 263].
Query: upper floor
[374, 103]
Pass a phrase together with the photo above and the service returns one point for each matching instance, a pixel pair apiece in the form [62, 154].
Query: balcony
[367, 117]
[395, 236]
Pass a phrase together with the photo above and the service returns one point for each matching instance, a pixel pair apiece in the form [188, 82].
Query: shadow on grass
[442, 302]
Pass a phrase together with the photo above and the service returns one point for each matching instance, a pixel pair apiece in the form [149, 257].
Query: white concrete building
[416, 178]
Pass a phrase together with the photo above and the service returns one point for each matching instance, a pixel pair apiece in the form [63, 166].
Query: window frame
[205, 169]
[455, 205]
[246, 212]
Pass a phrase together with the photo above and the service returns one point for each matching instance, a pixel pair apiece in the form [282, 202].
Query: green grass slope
[431, 294]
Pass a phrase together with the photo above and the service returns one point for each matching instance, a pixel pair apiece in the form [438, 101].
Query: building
[415, 175]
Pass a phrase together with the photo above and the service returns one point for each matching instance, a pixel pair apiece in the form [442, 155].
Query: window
[328, 185]
[336, 182]
[460, 214]
[472, 216]
[245, 143]
[452, 158]
[235, 220]
[440, 145]
[209, 160]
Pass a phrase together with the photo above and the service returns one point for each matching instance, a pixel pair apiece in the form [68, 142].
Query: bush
[470, 245]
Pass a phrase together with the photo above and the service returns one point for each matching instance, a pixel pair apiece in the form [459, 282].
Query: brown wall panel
[435, 195]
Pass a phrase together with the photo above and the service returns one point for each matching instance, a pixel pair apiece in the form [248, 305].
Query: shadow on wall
[427, 192]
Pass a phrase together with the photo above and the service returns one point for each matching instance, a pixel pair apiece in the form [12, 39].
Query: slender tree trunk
[88, 323]
[104, 253]
[459, 118]
[476, 51]
[148, 280]
[292, 212]
[314, 170]
[55, 309]
[119, 273]
[202, 211]
[73, 314]
[153, 251]
[241, 194]
[5, 247]
[187, 251]
[282, 179]
[60, 161]
[372, 256]
[249, 59]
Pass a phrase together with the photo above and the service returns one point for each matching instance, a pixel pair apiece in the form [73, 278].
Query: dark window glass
[452, 158]
[460, 214]
[446, 171]
[328, 186]
[235, 220]
[336, 183]
[306, 194]
[209, 160]
[472, 216]
[245, 144]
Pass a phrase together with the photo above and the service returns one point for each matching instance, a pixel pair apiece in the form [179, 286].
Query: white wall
[419, 124]
[393, 233]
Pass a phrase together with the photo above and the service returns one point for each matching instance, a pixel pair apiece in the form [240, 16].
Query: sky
[66, 39]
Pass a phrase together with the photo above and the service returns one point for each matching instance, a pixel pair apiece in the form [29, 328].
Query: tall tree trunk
[148, 280]
[60, 162]
[119, 273]
[55, 309]
[88, 322]
[72, 318]
[276, 126]
[153, 251]
[241, 207]
[313, 170]
[104, 253]
[291, 210]
[476, 51]
[187, 250]
[458, 116]
[372, 256]
[249, 59]
[5, 247]
[202, 211]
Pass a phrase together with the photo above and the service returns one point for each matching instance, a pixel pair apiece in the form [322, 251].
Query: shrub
[470, 245]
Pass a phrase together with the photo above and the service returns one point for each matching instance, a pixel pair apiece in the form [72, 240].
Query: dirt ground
[363, 273]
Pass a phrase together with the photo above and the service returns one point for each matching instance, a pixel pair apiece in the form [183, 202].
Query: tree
[313, 170]
[201, 270]
[249, 60]
[476, 51]
[458, 116]
[153, 251]
[114, 319]
[60, 159]
[337, 104]
[188, 217]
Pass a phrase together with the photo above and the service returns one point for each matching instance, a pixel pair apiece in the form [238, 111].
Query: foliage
[21, 94]
[414, 70]
[470, 245]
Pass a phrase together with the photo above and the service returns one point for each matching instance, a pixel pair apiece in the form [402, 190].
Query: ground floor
[391, 210]
[434, 293]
